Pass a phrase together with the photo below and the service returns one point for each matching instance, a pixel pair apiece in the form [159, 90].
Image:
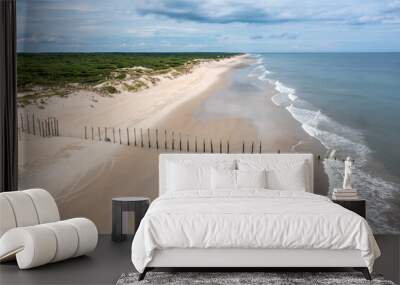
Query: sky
[208, 25]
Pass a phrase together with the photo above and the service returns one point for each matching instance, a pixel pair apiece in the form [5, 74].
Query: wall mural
[104, 87]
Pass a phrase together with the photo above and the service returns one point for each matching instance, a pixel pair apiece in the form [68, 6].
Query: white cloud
[273, 11]
[237, 25]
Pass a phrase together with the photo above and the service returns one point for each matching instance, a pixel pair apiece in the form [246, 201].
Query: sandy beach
[84, 175]
[132, 109]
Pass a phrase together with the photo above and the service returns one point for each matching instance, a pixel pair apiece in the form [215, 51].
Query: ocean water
[350, 102]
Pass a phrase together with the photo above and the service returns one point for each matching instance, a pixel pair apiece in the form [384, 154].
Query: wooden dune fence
[160, 140]
[171, 141]
[33, 125]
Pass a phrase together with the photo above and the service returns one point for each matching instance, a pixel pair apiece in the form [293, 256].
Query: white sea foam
[340, 140]
[260, 66]
[256, 70]
[279, 99]
[369, 187]
[312, 121]
[261, 72]
[279, 86]
[285, 95]
[263, 76]
[294, 147]
[382, 215]
[304, 116]
[292, 97]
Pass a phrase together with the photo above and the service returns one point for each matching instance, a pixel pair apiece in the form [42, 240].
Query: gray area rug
[228, 278]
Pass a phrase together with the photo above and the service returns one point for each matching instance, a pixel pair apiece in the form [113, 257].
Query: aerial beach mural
[104, 87]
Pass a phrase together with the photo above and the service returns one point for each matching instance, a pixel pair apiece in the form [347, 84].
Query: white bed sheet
[251, 218]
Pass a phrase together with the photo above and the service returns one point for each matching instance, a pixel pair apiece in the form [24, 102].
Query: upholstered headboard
[212, 159]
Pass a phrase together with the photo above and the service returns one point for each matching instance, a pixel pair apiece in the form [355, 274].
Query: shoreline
[227, 125]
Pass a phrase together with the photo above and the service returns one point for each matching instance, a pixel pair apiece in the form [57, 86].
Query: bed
[245, 211]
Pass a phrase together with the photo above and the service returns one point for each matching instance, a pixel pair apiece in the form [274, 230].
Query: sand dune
[127, 109]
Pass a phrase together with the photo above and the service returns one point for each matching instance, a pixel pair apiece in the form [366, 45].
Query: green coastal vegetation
[43, 75]
[58, 69]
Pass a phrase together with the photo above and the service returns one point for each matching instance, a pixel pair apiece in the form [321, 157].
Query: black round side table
[139, 205]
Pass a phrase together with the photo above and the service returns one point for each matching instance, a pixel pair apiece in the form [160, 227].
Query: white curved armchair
[31, 230]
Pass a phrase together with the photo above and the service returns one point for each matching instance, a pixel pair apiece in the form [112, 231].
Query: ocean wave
[255, 71]
[384, 216]
[263, 76]
[341, 141]
[292, 97]
[304, 116]
[261, 72]
[280, 99]
[323, 128]
[260, 67]
[280, 87]
[285, 95]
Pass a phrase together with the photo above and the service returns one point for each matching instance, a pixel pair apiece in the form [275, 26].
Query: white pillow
[188, 177]
[251, 178]
[292, 178]
[281, 174]
[223, 179]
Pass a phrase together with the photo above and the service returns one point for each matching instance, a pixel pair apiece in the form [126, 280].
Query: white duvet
[250, 219]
